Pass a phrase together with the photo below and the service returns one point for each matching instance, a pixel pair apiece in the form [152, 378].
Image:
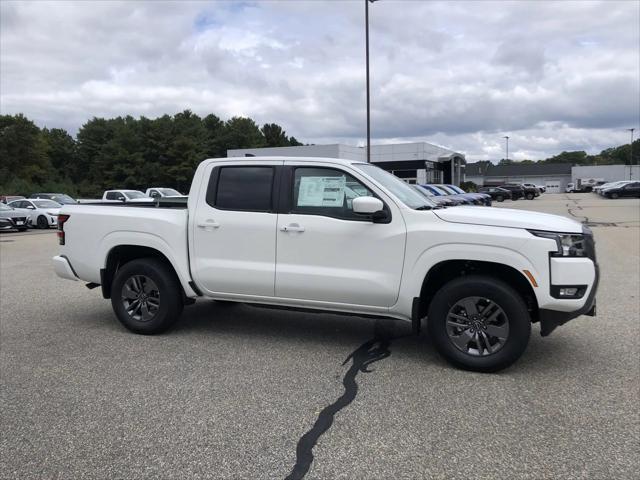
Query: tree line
[121, 152]
[610, 156]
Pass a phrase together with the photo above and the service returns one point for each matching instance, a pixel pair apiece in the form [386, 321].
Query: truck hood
[509, 217]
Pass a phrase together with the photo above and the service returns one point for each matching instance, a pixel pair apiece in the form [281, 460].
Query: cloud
[552, 75]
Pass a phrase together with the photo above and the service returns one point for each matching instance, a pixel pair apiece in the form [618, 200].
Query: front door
[328, 253]
[234, 230]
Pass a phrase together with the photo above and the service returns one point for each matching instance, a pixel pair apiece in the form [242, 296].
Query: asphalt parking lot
[231, 392]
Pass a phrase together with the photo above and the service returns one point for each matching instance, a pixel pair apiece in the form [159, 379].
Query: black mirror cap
[381, 216]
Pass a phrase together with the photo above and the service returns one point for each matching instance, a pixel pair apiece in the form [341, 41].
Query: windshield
[133, 194]
[438, 190]
[397, 187]
[46, 204]
[447, 189]
[169, 192]
[456, 189]
[63, 199]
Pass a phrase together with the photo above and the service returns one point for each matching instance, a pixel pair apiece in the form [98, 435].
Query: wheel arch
[119, 255]
[447, 270]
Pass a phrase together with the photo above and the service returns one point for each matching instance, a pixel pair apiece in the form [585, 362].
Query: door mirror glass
[31, 207]
[366, 205]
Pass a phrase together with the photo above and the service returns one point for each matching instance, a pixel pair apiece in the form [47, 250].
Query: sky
[553, 76]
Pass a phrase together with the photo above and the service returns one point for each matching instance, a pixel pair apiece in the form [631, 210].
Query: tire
[157, 287]
[455, 344]
[500, 198]
[530, 196]
[614, 196]
[22, 229]
[42, 222]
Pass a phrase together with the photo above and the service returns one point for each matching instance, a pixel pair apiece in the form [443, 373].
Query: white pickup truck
[329, 235]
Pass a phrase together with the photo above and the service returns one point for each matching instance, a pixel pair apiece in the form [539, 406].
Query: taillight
[61, 220]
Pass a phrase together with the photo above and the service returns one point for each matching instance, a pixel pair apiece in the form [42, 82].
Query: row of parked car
[40, 210]
[619, 189]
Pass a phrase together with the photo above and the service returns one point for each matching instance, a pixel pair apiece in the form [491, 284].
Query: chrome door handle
[209, 224]
[292, 227]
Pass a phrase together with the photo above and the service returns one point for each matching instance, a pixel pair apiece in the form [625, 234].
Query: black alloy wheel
[42, 222]
[146, 296]
[479, 323]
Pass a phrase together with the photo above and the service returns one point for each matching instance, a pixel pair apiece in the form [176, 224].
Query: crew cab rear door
[326, 252]
[234, 229]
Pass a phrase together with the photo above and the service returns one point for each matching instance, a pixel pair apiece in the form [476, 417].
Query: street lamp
[507, 139]
[366, 23]
[631, 152]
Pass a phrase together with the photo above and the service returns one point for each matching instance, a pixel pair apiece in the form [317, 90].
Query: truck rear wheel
[146, 296]
[479, 323]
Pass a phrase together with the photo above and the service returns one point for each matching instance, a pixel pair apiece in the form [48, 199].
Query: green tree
[23, 151]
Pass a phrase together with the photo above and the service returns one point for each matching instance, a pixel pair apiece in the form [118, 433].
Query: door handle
[209, 224]
[292, 227]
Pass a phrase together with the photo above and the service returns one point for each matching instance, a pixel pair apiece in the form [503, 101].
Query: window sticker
[321, 192]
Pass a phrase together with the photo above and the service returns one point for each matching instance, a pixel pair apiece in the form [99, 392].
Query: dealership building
[418, 162]
[553, 176]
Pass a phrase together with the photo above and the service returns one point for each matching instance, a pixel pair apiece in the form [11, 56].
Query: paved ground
[230, 392]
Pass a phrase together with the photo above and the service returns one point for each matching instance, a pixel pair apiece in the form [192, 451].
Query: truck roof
[336, 161]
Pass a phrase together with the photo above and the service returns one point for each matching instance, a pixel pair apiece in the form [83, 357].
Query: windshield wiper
[425, 207]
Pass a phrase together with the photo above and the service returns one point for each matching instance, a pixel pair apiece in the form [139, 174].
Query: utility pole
[507, 139]
[366, 26]
[631, 152]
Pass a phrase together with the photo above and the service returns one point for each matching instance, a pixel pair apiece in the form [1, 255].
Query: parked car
[479, 275]
[529, 192]
[439, 192]
[439, 201]
[517, 191]
[10, 198]
[12, 219]
[129, 196]
[542, 188]
[498, 194]
[483, 198]
[536, 190]
[161, 192]
[473, 199]
[603, 188]
[630, 189]
[41, 213]
[61, 198]
[584, 185]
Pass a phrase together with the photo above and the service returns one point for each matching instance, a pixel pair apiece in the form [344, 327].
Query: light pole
[507, 139]
[631, 152]
[366, 26]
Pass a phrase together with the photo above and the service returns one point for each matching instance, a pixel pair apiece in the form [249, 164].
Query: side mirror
[366, 205]
[31, 207]
[122, 199]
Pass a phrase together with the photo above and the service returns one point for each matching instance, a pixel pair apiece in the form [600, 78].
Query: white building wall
[608, 173]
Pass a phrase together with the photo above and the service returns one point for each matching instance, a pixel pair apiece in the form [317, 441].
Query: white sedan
[43, 213]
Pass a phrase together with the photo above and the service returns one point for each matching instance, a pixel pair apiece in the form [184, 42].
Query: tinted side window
[111, 195]
[245, 188]
[327, 192]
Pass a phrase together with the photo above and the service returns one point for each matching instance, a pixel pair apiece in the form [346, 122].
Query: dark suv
[496, 193]
[527, 192]
[517, 191]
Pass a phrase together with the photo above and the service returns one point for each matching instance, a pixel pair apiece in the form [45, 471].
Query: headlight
[569, 245]
[53, 214]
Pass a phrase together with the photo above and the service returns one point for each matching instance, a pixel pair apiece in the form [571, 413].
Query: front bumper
[552, 319]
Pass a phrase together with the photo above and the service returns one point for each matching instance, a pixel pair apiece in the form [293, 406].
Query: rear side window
[243, 188]
[111, 196]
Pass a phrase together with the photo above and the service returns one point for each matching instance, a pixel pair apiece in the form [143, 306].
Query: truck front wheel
[479, 323]
[146, 296]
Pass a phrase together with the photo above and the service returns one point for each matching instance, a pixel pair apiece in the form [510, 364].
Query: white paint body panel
[336, 265]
